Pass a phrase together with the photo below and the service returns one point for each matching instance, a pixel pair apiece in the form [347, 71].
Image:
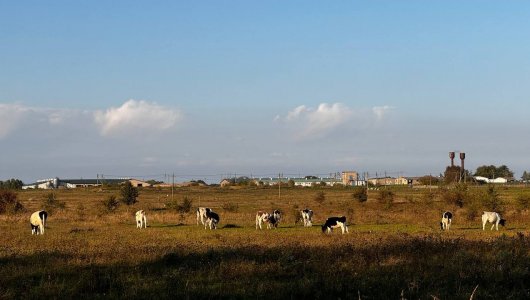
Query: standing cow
[201, 214]
[212, 219]
[141, 220]
[37, 221]
[447, 218]
[307, 217]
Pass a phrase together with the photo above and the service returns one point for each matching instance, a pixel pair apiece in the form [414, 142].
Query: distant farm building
[488, 180]
[304, 181]
[56, 183]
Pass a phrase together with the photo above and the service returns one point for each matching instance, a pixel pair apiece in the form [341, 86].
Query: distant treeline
[11, 184]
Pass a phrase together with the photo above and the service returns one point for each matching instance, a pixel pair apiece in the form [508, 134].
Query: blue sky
[200, 88]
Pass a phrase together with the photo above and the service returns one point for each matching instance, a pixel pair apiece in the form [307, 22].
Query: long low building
[56, 183]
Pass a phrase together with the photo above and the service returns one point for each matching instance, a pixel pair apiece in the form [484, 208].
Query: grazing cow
[447, 217]
[201, 214]
[212, 219]
[307, 217]
[38, 222]
[141, 220]
[277, 217]
[261, 217]
[494, 218]
[335, 222]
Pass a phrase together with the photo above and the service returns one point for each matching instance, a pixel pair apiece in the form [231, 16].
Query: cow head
[502, 222]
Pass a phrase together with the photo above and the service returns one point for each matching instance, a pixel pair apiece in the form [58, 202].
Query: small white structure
[488, 180]
[38, 222]
[141, 220]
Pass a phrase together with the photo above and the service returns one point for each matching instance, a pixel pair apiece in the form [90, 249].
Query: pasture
[393, 251]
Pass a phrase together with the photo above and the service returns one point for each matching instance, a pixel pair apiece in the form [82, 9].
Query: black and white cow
[261, 217]
[307, 217]
[212, 219]
[494, 218]
[335, 222]
[201, 214]
[37, 221]
[447, 218]
[141, 219]
[277, 216]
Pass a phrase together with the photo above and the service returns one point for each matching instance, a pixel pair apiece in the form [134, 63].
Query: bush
[183, 208]
[360, 194]
[320, 197]
[523, 201]
[51, 203]
[128, 193]
[111, 203]
[386, 196]
[9, 202]
[231, 207]
[492, 201]
[456, 196]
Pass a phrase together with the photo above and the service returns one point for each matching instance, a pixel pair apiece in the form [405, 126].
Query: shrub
[492, 201]
[128, 193]
[51, 203]
[111, 203]
[456, 196]
[9, 202]
[230, 207]
[183, 208]
[360, 194]
[386, 196]
[523, 201]
[320, 197]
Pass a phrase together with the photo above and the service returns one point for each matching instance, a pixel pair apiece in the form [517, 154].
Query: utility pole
[279, 185]
[172, 186]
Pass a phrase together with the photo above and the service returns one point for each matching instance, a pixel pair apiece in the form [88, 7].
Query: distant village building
[488, 180]
[393, 181]
[298, 181]
[351, 178]
[56, 183]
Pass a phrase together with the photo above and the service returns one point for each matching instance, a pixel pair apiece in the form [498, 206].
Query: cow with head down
[335, 222]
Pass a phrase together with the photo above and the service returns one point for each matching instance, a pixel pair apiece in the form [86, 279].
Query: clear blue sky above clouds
[260, 87]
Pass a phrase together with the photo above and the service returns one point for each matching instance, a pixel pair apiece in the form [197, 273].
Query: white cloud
[381, 111]
[311, 122]
[133, 116]
[11, 117]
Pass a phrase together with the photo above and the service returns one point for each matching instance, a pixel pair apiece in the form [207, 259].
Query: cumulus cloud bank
[308, 122]
[134, 115]
[317, 122]
[11, 116]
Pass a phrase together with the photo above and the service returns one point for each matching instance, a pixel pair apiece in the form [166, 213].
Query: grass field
[393, 251]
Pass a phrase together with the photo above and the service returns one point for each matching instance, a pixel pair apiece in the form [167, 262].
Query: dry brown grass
[88, 253]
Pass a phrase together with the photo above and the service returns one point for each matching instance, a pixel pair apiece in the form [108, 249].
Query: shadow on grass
[415, 267]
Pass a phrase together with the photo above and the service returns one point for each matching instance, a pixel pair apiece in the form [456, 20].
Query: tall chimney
[452, 157]
[462, 157]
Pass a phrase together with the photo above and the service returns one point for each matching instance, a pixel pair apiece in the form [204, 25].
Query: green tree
[360, 194]
[128, 193]
[11, 184]
[492, 171]
[111, 203]
[429, 180]
[526, 176]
